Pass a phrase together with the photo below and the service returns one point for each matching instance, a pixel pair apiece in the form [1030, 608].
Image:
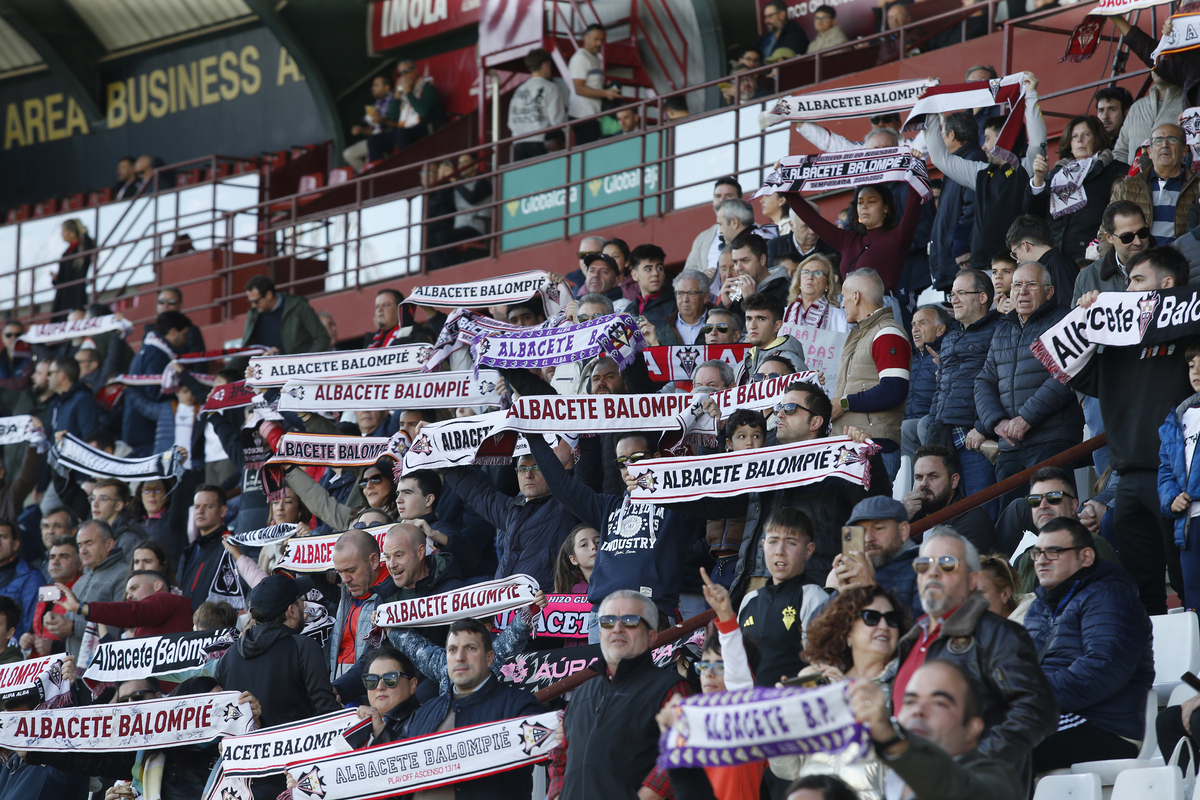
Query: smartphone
[49, 594]
[811, 681]
[854, 538]
[1043, 149]
[1191, 680]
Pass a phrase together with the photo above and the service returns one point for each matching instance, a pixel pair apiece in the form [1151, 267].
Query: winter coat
[20, 780]
[74, 411]
[660, 307]
[137, 429]
[1136, 189]
[960, 360]
[1018, 704]
[922, 380]
[160, 613]
[20, 582]
[1014, 382]
[1073, 232]
[1094, 643]
[284, 670]
[105, 582]
[899, 578]
[533, 529]
[300, 329]
[1175, 477]
[1104, 274]
[953, 224]
[362, 630]
[73, 267]
[489, 703]
[200, 565]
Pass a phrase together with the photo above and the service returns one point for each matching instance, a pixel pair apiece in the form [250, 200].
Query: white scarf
[14, 430]
[328, 450]
[423, 390]
[269, 371]
[477, 601]
[42, 675]
[315, 553]
[1066, 187]
[153, 656]
[847, 102]
[270, 750]
[53, 332]
[272, 534]
[764, 394]
[493, 292]
[70, 453]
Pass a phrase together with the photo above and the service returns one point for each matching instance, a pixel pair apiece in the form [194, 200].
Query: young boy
[1179, 480]
[1003, 267]
[775, 616]
[745, 430]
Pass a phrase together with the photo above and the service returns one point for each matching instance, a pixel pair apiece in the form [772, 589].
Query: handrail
[1005, 486]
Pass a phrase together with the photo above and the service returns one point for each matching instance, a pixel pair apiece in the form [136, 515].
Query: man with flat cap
[887, 561]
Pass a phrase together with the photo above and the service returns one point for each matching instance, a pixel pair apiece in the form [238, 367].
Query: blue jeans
[1189, 558]
[977, 474]
[1095, 423]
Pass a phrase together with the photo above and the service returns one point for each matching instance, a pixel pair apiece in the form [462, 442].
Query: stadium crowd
[969, 657]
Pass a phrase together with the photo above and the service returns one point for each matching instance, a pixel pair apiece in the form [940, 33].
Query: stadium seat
[1069, 787]
[1156, 783]
[1147, 757]
[1176, 650]
[73, 202]
[46, 208]
[100, 197]
[17, 214]
[340, 175]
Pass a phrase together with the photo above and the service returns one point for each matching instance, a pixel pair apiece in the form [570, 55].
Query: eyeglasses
[787, 409]
[1051, 553]
[11, 335]
[390, 679]
[374, 479]
[1157, 141]
[946, 564]
[812, 273]
[871, 617]
[138, 696]
[630, 621]
[1013, 252]
[632, 458]
[964, 295]
[101, 498]
[1053, 498]
[585, 317]
[715, 667]
[530, 470]
[720, 327]
[1127, 238]
[679, 293]
[762, 376]
[1030, 285]
[152, 490]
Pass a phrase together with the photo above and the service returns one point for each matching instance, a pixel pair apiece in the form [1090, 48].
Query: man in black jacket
[950, 241]
[1029, 239]
[476, 697]
[206, 571]
[1018, 704]
[286, 672]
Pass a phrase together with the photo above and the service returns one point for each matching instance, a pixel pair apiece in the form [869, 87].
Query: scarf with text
[677, 480]
[1114, 8]
[155, 656]
[494, 292]
[454, 443]
[427, 762]
[315, 553]
[605, 413]
[1007, 91]
[477, 601]
[15, 430]
[1118, 319]
[722, 729]
[1189, 120]
[764, 394]
[231, 395]
[564, 617]
[847, 170]
[272, 371]
[422, 390]
[847, 102]
[461, 329]
[262, 537]
[679, 362]
[268, 751]
[70, 453]
[537, 670]
[1066, 187]
[1084, 39]
[168, 381]
[318, 450]
[41, 676]
[616, 336]
[1184, 36]
[54, 332]
[165, 722]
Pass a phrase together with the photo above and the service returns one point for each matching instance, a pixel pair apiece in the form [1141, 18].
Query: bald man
[587, 246]
[364, 582]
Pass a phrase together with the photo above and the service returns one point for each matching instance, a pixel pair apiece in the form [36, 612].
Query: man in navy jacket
[1094, 642]
[476, 697]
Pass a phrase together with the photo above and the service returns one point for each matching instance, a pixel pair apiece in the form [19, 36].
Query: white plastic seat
[1176, 650]
[1069, 787]
[1155, 783]
[1147, 757]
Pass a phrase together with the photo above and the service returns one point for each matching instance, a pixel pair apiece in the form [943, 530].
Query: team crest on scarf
[1146, 306]
[256, 371]
[532, 735]
[423, 354]
[619, 333]
[230, 793]
[845, 456]
[647, 481]
[487, 386]
[421, 446]
[295, 391]
[311, 783]
[550, 290]
[231, 713]
[687, 360]
[54, 674]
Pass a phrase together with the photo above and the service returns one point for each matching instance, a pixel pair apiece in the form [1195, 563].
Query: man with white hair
[1018, 705]
[609, 737]
[587, 246]
[872, 381]
[1017, 399]
[684, 324]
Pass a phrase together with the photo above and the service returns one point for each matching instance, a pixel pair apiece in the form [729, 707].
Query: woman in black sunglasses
[377, 488]
[856, 635]
[391, 683]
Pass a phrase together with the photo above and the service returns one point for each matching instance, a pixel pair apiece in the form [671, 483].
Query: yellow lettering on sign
[118, 112]
[137, 85]
[35, 120]
[160, 102]
[13, 130]
[189, 85]
[229, 89]
[55, 115]
[207, 79]
[251, 74]
[287, 66]
[75, 118]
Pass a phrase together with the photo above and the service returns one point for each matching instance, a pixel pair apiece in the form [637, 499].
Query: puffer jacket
[1073, 232]
[922, 381]
[1094, 643]
[1013, 382]
[1174, 476]
[960, 360]
[137, 430]
[1019, 707]
[952, 226]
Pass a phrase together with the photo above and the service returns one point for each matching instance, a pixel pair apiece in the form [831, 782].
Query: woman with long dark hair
[70, 279]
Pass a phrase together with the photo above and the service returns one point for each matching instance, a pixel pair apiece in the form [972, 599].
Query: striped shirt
[1165, 195]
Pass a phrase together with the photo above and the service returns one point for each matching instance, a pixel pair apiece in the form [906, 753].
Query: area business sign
[610, 174]
[395, 23]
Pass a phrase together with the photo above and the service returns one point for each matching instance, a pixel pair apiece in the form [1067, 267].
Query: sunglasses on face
[632, 458]
[871, 617]
[946, 564]
[374, 479]
[390, 679]
[787, 409]
[630, 621]
[720, 327]
[1053, 498]
[715, 667]
[762, 376]
[1127, 238]
[138, 696]
[583, 317]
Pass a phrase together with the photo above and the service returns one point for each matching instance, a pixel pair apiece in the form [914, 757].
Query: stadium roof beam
[67, 46]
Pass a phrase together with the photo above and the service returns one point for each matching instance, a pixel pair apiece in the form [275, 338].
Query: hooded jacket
[362, 630]
[75, 411]
[1094, 643]
[20, 582]
[960, 359]
[534, 529]
[1174, 475]
[105, 582]
[1014, 382]
[922, 380]
[137, 430]
[286, 672]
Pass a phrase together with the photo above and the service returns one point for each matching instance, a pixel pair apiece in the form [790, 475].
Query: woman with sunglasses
[391, 684]
[377, 484]
[856, 635]
[812, 297]
[1075, 193]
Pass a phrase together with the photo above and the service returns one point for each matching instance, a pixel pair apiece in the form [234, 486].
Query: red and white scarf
[1007, 91]
[421, 390]
[477, 601]
[679, 362]
[269, 371]
[53, 332]
[816, 316]
[847, 102]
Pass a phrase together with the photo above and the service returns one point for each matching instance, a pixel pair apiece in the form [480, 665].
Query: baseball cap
[591, 258]
[274, 593]
[878, 507]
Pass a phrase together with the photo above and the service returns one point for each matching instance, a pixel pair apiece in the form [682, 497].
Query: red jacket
[161, 612]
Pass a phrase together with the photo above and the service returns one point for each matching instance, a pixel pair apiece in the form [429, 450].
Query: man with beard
[887, 560]
[937, 483]
[1018, 704]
